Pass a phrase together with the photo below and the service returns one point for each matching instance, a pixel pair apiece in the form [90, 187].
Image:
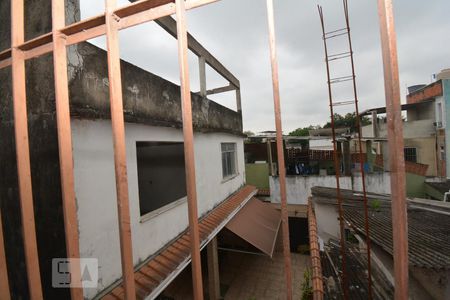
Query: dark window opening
[161, 174]
[410, 154]
[228, 159]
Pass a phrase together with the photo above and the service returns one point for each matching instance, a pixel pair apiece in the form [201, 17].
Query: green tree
[249, 133]
[303, 131]
[349, 120]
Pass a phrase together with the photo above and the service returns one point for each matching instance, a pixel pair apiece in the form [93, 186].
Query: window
[410, 154]
[161, 175]
[228, 160]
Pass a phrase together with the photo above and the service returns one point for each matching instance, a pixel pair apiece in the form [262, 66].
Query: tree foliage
[249, 133]
[348, 120]
[303, 131]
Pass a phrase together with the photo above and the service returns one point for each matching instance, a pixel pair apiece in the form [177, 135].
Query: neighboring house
[425, 128]
[419, 133]
[428, 236]
[155, 168]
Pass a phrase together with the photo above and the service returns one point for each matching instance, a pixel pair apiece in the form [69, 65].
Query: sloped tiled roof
[160, 269]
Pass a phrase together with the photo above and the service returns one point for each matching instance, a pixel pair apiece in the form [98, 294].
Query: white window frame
[229, 147]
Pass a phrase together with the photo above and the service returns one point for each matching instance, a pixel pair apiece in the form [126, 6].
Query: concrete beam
[170, 25]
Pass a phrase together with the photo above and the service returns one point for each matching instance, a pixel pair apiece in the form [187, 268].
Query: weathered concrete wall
[299, 187]
[95, 191]
[44, 155]
[148, 99]
[379, 183]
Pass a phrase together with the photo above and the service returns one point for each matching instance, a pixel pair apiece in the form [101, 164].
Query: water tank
[413, 88]
[444, 74]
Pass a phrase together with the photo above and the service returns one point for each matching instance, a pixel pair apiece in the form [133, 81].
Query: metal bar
[341, 79]
[95, 27]
[23, 150]
[344, 281]
[120, 159]
[395, 142]
[333, 36]
[280, 151]
[361, 156]
[189, 154]
[334, 31]
[343, 103]
[65, 146]
[4, 282]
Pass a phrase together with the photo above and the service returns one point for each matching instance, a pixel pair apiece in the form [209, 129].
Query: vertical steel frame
[361, 156]
[109, 24]
[65, 145]
[188, 133]
[347, 55]
[395, 142]
[23, 151]
[344, 280]
[280, 151]
[4, 283]
[120, 159]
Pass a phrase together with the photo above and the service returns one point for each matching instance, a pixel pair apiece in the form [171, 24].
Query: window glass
[228, 159]
[161, 174]
[410, 154]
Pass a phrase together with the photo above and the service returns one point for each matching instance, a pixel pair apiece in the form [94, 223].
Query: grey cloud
[235, 31]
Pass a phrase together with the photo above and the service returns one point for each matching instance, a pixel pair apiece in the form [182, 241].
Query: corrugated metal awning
[257, 223]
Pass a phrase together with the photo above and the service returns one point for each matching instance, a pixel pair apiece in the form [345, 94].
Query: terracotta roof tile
[158, 269]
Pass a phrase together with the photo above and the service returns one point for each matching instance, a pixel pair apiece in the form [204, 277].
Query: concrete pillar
[269, 157]
[213, 270]
[347, 158]
[202, 75]
[374, 124]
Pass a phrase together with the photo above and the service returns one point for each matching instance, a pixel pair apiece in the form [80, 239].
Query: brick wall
[430, 91]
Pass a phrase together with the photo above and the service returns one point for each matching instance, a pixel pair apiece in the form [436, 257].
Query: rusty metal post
[23, 150]
[120, 159]
[395, 142]
[65, 145]
[280, 151]
[361, 156]
[188, 132]
[4, 282]
[344, 280]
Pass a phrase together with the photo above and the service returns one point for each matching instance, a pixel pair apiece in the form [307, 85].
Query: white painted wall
[96, 192]
[298, 188]
[379, 183]
[323, 144]
[327, 222]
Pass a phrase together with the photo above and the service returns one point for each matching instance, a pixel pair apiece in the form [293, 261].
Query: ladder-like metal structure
[348, 55]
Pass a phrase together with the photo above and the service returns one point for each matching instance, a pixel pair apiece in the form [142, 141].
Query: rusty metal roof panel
[158, 271]
[257, 223]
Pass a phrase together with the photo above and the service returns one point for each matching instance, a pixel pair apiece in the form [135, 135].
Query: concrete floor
[247, 277]
[259, 277]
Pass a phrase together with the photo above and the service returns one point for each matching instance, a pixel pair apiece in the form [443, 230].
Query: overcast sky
[235, 32]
